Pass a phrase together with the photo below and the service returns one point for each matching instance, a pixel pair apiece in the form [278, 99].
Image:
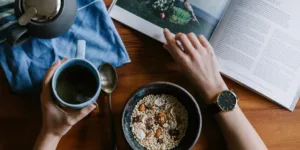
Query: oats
[159, 122]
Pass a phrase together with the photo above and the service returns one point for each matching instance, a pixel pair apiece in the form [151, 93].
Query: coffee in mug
[76, 85]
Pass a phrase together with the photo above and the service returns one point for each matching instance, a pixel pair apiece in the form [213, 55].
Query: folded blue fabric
[26, 65]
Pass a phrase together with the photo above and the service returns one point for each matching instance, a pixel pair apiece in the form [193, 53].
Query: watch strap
[214, 108]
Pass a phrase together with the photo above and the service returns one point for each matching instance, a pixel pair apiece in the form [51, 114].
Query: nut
[158, 133]
[162, 118]
[142, 107]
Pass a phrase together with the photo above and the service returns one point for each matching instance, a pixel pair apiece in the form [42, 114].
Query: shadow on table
[21, 121]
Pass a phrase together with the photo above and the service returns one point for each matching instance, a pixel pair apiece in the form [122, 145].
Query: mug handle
[18, 36]
[81, 46]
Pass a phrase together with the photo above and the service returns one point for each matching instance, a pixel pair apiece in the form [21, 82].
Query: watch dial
[227, 100]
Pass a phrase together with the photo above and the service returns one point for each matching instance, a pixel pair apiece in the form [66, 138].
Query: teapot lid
[46, 9]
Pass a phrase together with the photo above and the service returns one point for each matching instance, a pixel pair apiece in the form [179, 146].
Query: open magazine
[257, 42]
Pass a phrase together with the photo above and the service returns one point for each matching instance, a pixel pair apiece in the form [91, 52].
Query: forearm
[238, 131]
[46, 141]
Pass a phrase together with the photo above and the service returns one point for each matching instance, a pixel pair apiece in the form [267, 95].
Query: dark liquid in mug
[76, 85]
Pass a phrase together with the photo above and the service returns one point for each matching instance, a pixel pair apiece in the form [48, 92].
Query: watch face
[227, 101]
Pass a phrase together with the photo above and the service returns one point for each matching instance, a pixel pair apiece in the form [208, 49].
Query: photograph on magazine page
[198, 16]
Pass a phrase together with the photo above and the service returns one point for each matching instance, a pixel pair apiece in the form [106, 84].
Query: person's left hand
[57, 121]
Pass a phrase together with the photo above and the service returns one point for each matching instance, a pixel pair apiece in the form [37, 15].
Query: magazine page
[152, 16]
[258, 44]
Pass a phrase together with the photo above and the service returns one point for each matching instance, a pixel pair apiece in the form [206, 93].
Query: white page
[258, 44]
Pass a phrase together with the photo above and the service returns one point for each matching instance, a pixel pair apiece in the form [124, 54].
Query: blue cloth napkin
[26, 65]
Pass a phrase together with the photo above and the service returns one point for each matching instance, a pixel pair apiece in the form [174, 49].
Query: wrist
[48, 134]
[46, 140]
[212, 93]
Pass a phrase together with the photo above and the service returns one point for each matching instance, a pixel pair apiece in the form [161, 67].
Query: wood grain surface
[20, 115]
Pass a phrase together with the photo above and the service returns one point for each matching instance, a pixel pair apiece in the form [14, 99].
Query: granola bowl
[138, 110]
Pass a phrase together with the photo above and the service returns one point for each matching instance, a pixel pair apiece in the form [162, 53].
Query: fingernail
[166, 30]
[93, 106]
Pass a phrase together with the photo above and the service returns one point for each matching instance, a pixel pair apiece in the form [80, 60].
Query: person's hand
[57, 121]
[196, 57]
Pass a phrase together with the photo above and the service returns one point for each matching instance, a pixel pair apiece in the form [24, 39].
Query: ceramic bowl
[186, 99]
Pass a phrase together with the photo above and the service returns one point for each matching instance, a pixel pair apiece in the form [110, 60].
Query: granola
[159, 122]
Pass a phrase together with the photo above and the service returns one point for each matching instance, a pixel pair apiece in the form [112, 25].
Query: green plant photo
[176, 15]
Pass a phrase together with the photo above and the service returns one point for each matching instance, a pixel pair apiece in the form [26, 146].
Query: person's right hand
[57, 121]
[197, 59]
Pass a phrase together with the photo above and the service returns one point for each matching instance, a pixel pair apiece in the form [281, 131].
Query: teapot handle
[18, 36]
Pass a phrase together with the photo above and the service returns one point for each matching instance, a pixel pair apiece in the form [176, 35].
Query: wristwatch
[226, 101]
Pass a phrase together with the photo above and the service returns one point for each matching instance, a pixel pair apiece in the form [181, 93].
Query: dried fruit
[162, 118]
[148, 120]
[158, 133]
[160, 141]
[142, 107]
[136, 119]
[149, 126]
[148, 134]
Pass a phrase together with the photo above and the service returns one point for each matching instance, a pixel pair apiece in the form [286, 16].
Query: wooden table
[20, 115]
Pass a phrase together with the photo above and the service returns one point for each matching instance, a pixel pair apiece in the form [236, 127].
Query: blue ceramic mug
[87, 66]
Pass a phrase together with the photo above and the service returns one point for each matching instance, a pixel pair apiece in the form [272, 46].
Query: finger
[166, 47]
[172, 46]
[175, 58]
[83, 112]
[194, 40]
[64, 60]
[186, 43]
[204, 42]
[46, 92]
[50, 73]
[169, 37]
